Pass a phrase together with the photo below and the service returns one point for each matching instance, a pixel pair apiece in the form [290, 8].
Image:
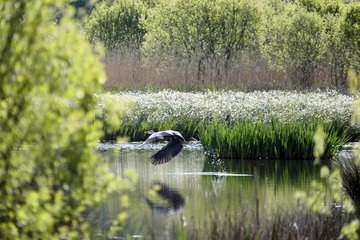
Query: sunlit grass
[248, 140]
[259, 124]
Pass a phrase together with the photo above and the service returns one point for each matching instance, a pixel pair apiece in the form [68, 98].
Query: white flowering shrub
[228, 106]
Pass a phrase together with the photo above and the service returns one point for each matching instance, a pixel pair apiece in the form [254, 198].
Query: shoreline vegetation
[239, 125]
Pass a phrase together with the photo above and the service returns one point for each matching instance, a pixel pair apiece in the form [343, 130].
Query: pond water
[191, 190]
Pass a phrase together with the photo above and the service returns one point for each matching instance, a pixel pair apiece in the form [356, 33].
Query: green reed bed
[259, 124]
[248, 140]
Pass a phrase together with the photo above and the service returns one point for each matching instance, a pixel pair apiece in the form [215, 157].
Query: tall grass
[272, 124]
[248, 140]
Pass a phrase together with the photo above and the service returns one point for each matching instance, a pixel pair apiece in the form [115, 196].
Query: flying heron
[170, 150]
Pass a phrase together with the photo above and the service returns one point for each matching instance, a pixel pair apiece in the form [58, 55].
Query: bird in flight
[171, 149]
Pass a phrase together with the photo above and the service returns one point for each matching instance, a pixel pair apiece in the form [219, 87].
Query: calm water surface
[204, 190]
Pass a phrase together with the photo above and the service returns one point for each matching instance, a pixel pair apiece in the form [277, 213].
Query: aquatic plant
[259, 124]
[247, 140]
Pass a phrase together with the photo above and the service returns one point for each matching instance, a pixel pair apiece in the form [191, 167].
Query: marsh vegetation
[259, 124]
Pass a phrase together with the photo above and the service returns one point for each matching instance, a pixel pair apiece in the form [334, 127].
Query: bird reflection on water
[166, 215]
[164, 200]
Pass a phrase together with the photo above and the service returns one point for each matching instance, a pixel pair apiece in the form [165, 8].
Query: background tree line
[301, 43]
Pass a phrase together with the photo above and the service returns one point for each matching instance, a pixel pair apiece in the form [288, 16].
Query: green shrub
[351, 31]
[50, 176]
[116, 24]
[296, 42]
[207, 33]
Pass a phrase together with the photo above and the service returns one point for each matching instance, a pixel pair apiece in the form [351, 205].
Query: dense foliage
[209, 34]
[50, 176]
[117, 24]
[298, 43]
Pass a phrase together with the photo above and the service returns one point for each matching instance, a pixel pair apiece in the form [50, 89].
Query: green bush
[116, 24]
[209, 33]
[351, 31]
[296, 42]
[50, 176]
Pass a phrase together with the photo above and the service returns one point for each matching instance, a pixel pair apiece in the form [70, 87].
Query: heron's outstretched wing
[157, 136]
[169, 151]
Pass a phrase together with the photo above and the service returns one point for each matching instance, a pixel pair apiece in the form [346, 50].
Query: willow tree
[351, 35]
[49, 174]
[296, 42]
[116, 24]
[203, 33]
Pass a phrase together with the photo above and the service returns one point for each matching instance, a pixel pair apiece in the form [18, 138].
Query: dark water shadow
[164, 200]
